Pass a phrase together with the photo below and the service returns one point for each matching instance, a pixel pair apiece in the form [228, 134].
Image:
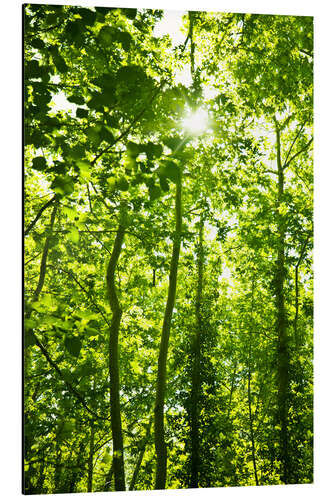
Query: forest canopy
[168, 234]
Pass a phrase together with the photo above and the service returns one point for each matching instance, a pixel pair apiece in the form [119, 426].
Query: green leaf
[106, 35]
[133, 149]
[122, 184]
[171, 170]
[112, 182]
[70, 212]
[63, 185]
[153, 150]
[88, 16]
[130, 13]
[35, 70]
[154, 192]
[77, 152]
[174, 143]
[87, 369]
[106, 134]
[73, 29]
[60, 63]
[73, 345]
[69, 426]
[125, 39]
[74, 235]
[39, 163]
[164, 183]
[84, 167]
[76, 99]
[107, 458]
[37, 43]
[130, 75]
[92, 331]
[93, 134]
[82, 113]
[29, 339]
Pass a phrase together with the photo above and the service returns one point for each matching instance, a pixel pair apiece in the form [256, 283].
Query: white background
[11, 254]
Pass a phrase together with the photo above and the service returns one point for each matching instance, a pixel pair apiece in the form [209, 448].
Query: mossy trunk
[160, 445]
[281, 323]
[196, 376]
[91, 458]
[116, 426]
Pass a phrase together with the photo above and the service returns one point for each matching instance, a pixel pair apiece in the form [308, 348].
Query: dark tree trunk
[160, 445]
[196, 376]
[108, 479]
[28, 312]
[140, 458]
[76, 475]
[299, 261]
[58, 466]
[116, 427]
[281, 323]
[249, 397]
[91, 457]
[40, 483]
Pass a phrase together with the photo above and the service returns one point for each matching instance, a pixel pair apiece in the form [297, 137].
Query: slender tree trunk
[58, 466]
[116, 427]
[40, 284]
[249, 373]
[91, 449]
[281, 322]
[108, 479]
[35, 297]
[232, 390]
[249, 397]
[40, 483]
[160, 445]
[192, 49]
[91, 457]
[75, 476]
[39, 214]
[253, 452]
[196, 376]
[140, 458]
[296, 336]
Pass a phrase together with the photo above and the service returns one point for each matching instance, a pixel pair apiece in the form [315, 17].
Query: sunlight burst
[196, 122]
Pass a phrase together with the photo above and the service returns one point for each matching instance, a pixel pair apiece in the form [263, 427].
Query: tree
[168, 279]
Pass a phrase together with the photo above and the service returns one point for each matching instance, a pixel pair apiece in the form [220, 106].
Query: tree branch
[86, 292]
[39, 214]
[93, 234]
[130, 126]
[44, 257]
[286, 164]
[59, 372]
[292, 144]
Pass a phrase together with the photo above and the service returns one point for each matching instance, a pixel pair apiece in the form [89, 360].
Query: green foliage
[115, 157]
[73, 345]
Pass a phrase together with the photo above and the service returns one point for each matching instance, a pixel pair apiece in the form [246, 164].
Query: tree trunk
[160, 445]
[116, 427]
[108, 479]
[75, 475]
[28, 333]
[58, 466]
[91, 457]
[41, 475]
[303, 249]
[140, 458]
[196, 377]
[281, 323]
[249, 397]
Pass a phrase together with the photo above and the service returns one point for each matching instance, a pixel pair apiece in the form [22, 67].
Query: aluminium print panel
[168, 249]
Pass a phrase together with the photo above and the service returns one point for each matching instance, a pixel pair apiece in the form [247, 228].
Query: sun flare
[196, 122]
